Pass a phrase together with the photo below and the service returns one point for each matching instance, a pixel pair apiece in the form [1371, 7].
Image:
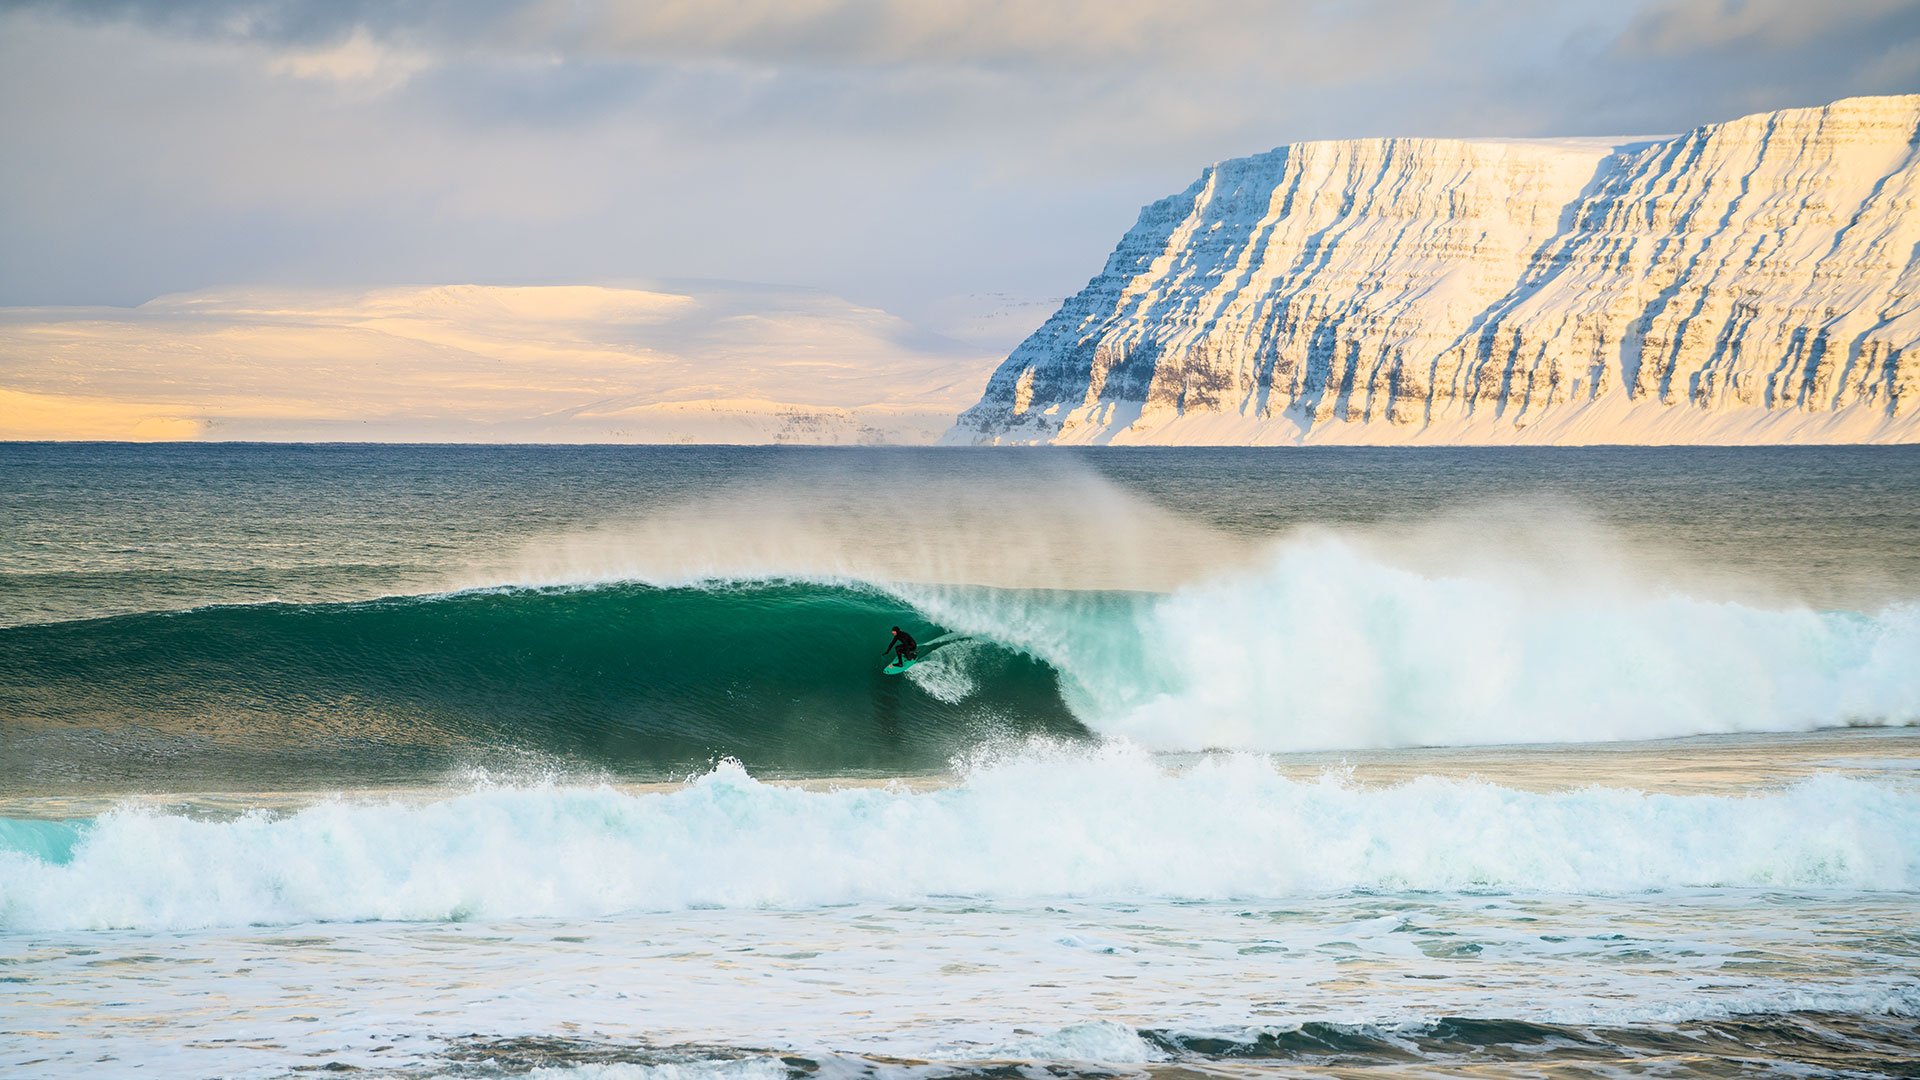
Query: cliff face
[1753, 281]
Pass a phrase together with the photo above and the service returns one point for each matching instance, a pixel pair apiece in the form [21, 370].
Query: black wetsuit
[903, 645]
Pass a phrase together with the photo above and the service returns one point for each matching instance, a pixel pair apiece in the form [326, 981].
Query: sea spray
[1326, 647]
[1111, 823]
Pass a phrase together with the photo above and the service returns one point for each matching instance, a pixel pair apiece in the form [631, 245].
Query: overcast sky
[894, 152]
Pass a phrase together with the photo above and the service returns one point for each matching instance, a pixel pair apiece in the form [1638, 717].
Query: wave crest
[1325, 647]
[1108, 824]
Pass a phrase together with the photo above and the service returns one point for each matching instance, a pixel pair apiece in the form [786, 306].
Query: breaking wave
[1105, 823]
[1322, 646]
[779, 675]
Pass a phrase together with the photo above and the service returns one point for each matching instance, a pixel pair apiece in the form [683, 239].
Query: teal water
[103, 529]
[577, 762]
[657, 682]
[255, 617]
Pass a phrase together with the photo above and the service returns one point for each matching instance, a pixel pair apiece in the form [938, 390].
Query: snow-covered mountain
[1752, 281]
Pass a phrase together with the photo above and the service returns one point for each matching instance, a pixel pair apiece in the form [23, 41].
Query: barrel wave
[1320, 646]
[780, 676]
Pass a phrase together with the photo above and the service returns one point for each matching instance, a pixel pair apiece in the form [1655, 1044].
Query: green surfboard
[897, 667]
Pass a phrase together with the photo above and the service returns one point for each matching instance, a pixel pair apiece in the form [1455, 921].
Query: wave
[1323, 646]
[1107, 823]
[1854, 1034]
[1326, 646]
[778, 675]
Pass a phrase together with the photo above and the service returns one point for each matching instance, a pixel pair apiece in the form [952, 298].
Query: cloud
[64, 416]
[577, 363]
[1725, 58]
[825, 32]
[1678, 28]
[359, 61]
[893, 151]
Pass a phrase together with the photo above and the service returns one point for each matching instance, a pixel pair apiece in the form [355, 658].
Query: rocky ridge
[1751, 281]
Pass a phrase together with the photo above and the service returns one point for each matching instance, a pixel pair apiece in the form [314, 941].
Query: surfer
[902, 646]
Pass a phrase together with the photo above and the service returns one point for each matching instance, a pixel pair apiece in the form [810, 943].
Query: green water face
[639, 680]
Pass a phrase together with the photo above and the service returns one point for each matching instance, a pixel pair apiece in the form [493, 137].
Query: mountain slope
[1752, 281]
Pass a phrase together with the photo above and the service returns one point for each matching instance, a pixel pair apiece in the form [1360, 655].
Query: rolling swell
[781, 676]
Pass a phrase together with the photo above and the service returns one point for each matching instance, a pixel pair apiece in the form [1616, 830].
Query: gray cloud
[296, 23]
[1725, 57]
[1765, 28]
[893, 151]
[827, 32]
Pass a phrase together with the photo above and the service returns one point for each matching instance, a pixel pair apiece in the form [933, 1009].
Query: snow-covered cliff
[1752, 281]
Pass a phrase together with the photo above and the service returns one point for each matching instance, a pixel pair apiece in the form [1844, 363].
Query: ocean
[488, 761]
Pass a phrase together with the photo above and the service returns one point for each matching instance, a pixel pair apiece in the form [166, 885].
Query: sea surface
[479, 761]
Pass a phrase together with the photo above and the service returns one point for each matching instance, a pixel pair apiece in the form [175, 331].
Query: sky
[484, 363]
[905, 155]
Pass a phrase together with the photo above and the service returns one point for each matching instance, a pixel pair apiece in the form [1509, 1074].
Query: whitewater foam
[1101, 1040]
[947, 673]
[759, 1068]
[1113, 823]
[1328, 647]
[921, 991]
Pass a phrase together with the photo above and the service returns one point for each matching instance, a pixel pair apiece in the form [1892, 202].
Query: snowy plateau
[1756, 281]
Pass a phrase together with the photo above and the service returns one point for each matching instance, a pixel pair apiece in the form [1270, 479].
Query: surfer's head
[896, 629]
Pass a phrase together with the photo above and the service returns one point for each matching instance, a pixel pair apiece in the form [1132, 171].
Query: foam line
[1109, 824]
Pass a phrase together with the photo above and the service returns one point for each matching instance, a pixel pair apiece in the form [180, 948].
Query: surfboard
[897, 667]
